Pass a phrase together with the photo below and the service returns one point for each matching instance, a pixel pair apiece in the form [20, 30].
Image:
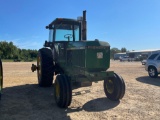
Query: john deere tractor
[73, 60]
[1, 77]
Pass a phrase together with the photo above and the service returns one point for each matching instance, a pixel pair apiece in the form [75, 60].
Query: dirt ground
[23, 99]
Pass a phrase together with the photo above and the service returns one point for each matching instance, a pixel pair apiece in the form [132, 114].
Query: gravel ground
[23, 99]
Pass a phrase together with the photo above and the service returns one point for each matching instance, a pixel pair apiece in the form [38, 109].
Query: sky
[133, 24]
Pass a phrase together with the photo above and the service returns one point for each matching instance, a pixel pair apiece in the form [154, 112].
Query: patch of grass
[12, 60]
[7, 60]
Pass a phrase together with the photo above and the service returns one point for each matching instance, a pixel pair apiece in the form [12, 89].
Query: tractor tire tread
[47, 67]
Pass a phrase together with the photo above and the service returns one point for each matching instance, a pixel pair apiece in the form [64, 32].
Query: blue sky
[133, 24]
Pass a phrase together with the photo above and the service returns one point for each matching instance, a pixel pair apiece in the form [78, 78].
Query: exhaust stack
[84, 26]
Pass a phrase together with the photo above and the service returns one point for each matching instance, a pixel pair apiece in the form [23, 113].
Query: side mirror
[49, 27]
[45, 43]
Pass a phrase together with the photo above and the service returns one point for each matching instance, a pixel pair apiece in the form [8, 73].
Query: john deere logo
[99, 55]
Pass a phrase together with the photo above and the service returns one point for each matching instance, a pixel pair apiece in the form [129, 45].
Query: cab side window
[50, 35]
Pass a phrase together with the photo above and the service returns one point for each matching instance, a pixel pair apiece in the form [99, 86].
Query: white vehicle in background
[153, 65]
[126, 58]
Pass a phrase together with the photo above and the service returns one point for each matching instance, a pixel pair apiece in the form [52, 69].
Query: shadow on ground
[31, 102]
[96, 105]
[148, 80]
[100, 104]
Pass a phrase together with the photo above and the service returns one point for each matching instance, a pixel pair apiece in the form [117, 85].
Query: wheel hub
[57, 91]
[110, 86]
[152, 72]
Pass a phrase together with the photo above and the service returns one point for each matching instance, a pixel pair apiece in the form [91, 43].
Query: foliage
[9, 51]
[123, 50]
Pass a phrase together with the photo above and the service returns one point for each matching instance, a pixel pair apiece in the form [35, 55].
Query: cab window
[76, 32]
[50, 35]
[67, 32]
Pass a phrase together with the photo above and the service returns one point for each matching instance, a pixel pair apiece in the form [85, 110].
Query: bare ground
[22, 99]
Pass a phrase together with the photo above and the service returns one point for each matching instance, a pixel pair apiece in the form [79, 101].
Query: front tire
[1, 78]
[114, 87]
[62, 91]
[45, 67]
[152, 72]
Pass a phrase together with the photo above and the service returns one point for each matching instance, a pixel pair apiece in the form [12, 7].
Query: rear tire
[1, 78]
[62, 91]
[45, 67]
[152, 72]
[114, 87]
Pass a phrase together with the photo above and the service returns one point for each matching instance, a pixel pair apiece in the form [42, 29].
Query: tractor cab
[62, 29]
[62, 32]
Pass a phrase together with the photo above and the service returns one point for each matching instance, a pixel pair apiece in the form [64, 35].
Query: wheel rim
[57, 92]
[39, 67]
[110, 86]
[152, 72]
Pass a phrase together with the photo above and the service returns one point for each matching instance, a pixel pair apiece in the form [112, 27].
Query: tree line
[9, 51]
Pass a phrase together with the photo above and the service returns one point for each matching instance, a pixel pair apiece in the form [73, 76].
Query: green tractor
[73, 61]
[1, 78]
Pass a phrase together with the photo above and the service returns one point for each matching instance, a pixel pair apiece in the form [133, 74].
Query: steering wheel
[68, 36]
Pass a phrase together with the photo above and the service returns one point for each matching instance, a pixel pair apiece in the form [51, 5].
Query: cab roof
[64, 20]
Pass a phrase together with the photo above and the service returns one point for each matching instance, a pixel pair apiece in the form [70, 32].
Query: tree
[113, 51]
[10, 51]
[123, 50]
